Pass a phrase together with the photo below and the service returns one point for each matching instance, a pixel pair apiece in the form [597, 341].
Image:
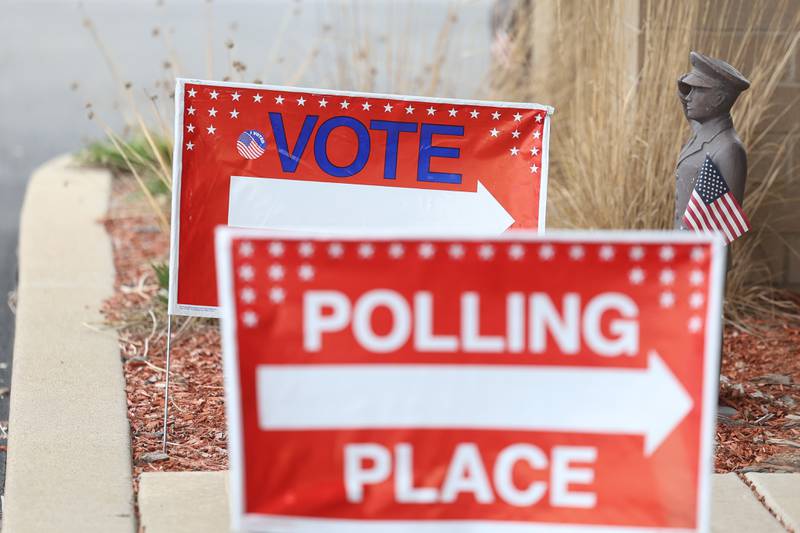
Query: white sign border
[240, 521]
[175, 308]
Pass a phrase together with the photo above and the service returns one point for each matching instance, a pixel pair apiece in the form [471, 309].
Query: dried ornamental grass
[620, 128]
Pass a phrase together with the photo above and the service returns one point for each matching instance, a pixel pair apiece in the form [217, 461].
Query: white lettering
[471, 338]
[401, 321]
[316, 322]
[356, 474]
[404, 489]
[626, 331]
[564, 475]
[544, 316]
[425, 340]
[467, 474]
[504, 474]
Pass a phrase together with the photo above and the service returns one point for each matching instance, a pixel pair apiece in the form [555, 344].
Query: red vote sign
[506, 385]
[309, 160]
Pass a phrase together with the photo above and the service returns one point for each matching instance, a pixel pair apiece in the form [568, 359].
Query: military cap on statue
[710, 72]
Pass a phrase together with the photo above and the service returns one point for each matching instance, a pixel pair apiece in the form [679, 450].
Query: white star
[517, 117]
[235, 96]
[190, 128]
[426, 250]
[695, 324]
[534, 151]
[276, 249]
[192, 93]
[636, 253]
[514, 150]
[486, 251]
[666, 253]
[494, 132]
[696, 277]
[636, 276]
[212, 112]
[276, 272]
[211, 129]
[214, 95]
[278, 99]
[234, 114]
[576, 252]
[474, 113]
[344, 104]
[431, 110]
[306, 272]
[335, 249]
[536, 134]
[516, 252]
[246, 249]
[667, 277]
[515, 134]
[249, 319]
[305, 249]
[246, 272]
[606, 252]
[366, 250]
[453, 111]
[248, 295]
[696, 300]
[396, 250]
[456, 251]
[667, 299]
[366, 106]
[277, 295]
[496, 115]
[546, 252]
[190, 110]
[698, 254]
[190, 146]
[301, 101]
[388, 107]
[409, 109]
[323, 103]
[257, 98]
[534, 169]
[538, 117]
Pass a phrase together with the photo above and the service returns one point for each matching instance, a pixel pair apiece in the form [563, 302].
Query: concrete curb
[69, 458]
[184, 502]
[197, 502]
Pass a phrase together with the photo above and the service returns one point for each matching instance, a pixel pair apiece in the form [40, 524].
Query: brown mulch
[197, 436]
[760, 387]
[761, 381]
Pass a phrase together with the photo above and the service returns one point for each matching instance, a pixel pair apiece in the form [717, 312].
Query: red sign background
[296, 473]
[504, 146]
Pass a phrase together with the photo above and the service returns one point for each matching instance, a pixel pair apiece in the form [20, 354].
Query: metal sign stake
[166, 385]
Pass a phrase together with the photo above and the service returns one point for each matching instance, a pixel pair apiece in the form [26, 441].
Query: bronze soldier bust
[707, 94]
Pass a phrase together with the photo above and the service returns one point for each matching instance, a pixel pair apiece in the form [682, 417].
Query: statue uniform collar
[704, 134]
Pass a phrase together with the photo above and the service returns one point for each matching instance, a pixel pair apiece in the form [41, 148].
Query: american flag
[251, 144]
[712, 207]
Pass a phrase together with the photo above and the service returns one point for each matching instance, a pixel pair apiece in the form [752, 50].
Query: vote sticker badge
[251, 144]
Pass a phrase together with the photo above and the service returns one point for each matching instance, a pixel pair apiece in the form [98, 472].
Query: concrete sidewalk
[197, 502]
[69, 462]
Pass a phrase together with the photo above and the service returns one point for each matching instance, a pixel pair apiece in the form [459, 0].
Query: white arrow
[649, 402]
[294, 205]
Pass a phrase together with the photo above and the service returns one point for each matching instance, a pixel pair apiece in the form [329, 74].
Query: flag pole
[166, 384]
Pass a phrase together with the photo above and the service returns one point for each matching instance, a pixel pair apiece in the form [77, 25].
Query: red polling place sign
[506, 385]
[310, 160]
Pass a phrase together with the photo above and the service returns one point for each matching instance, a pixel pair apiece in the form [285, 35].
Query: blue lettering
[427, 151]
[289, 161]
[321, 147]
[393, 130]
